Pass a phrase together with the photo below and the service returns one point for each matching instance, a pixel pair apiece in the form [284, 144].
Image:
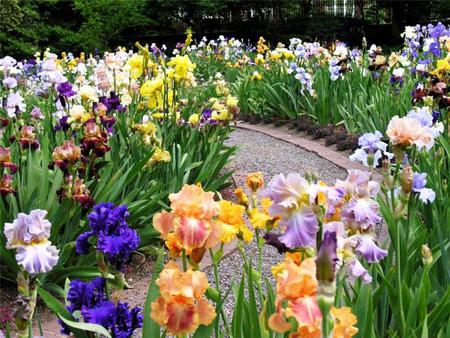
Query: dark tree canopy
[75, 25]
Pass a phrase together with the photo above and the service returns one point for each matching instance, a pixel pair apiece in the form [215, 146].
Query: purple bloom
[36, 113]
[114, 237]
[63, 124]
[112, 102]
[285, 192]
[366, 247]
[437, 31]
[82, 244]
[301, 229]
[103, 314]
[357, 270]
[372, 142]
[126, 320]
[82, 294]
[422, 115]
[327, 259]
[123, 241]
[436, 116]
[89, 298]
[65, 89]
[10, 82]
[435, 48]
[363, 211]
[419, 181]
[206, 117]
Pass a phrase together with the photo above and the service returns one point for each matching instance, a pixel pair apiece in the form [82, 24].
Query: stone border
[296, 139]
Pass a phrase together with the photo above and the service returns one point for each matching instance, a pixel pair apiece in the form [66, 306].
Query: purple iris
[89, 298]
[65, 89]
[327, 258]
[435, 48]
[206, 117]
[422, 115]
[362, 211]
[437, 31]
[371, 141]
[436, 116]
[419, 181]
[83, 294]
[301, 229]
[126, 320]
[114, 237]
[112, 102]
[367, 248]
[103, 314]
[63, 124]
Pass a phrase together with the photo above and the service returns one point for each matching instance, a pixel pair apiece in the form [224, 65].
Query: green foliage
[105, 21]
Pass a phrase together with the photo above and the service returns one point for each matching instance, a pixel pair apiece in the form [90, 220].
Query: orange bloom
[182, 308]
[297, 280]
[255, 181]
[297, 288]
[296, 284]
[193, 201]
[344, 320]
[190, 224]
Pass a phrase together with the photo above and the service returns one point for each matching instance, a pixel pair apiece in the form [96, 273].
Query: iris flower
[29, 234]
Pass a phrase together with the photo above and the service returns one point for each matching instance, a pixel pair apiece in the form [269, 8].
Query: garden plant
[106, 156]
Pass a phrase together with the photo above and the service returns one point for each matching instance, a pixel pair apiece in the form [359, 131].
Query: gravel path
[259, 152]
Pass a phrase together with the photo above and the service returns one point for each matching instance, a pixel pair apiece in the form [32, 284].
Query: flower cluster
[182, 307]
[29, 234]
[372, 150]
[68, 158]
[197, 222]
[348, 209]
[297, 287]
[115, 239]
[6, 165]
[90, 299]
[418, 128]
[303, 76]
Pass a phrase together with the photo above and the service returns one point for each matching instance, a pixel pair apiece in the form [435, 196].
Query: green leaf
[59, 309]
[236, 323]
[150, 328]
[253, 309]
[424, 333]
[86, 327]
[204, 331]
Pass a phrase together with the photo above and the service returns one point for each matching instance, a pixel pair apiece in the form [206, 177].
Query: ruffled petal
[182, 318]
[366, 247]
[206, 313]
[301, 229]
[164, 222]
[37, 258]
[192, 233]
[356, 270]
[278, 324]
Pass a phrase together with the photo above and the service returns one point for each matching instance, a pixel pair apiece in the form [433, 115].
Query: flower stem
[258, 242]
[399, 282]
[184, 260]
[217, 282]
